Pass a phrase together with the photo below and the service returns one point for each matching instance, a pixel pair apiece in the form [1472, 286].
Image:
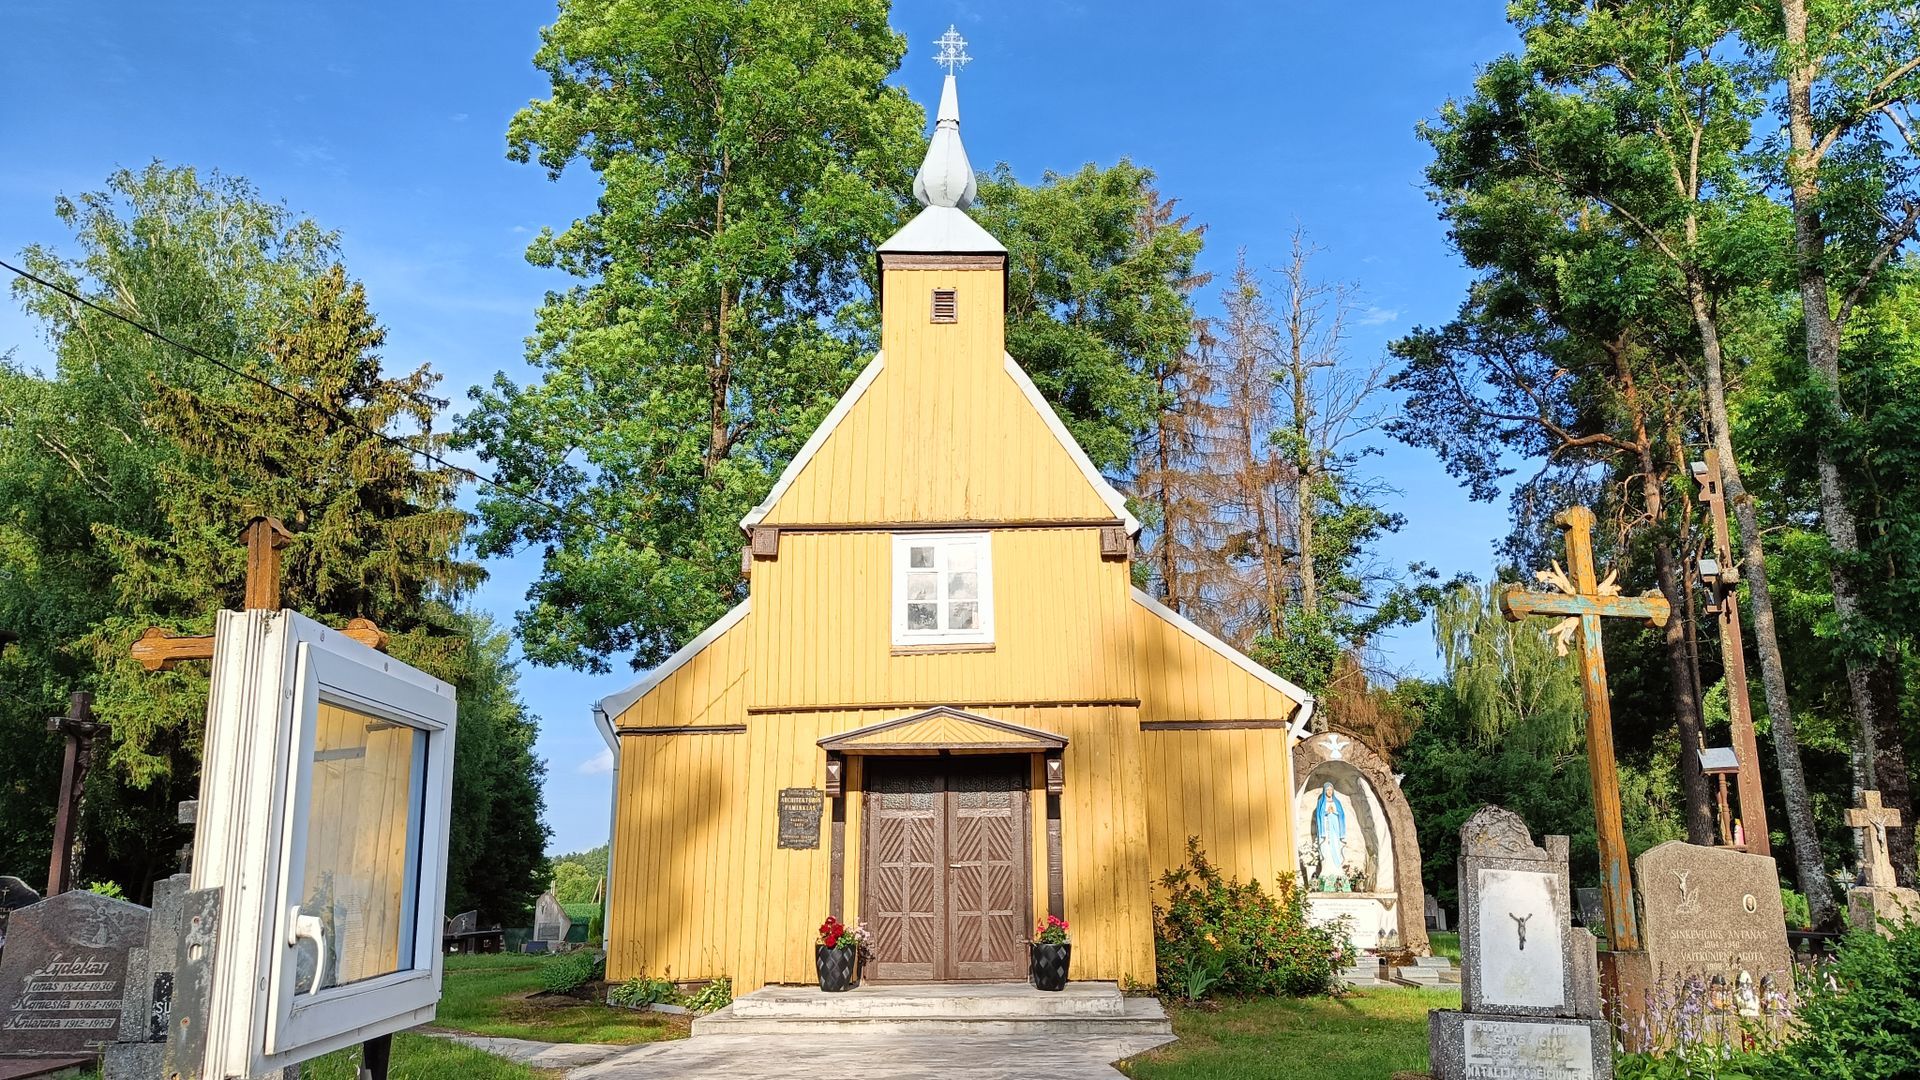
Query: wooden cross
[159, 649]
[1873, 820]
[79, 727]
[1584, 601]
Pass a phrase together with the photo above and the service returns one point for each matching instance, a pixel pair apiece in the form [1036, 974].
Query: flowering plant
[835, 934]
[1051, 932]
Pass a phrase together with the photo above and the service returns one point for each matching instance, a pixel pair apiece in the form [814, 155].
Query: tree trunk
[1681, 688]
[1810, 870]
[1872, 681]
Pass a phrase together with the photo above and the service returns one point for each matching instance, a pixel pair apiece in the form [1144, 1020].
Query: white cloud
[1374, 315]
[599, 763]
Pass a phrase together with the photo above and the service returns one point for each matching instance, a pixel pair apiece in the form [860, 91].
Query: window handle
[311, 928]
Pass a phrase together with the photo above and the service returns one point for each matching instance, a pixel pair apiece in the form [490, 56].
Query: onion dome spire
[946, 176]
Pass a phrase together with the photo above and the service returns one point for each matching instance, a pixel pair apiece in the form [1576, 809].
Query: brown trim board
[1210, 725]
[874, 706]
[686, 729]
[1001, 525]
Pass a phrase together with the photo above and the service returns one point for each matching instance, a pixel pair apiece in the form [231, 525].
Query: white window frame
[982, 634]
[272, 671]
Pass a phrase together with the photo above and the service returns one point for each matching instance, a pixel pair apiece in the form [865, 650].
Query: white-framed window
[324, 810]
[942, 589]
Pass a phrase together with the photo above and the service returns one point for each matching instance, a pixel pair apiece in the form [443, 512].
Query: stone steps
[1086, 1008]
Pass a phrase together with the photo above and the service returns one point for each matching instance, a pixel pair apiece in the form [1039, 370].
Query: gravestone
[550, 922]
[64, 973]
[1712, 911]
[464, 923]
[1592, 909]
[1529, 989]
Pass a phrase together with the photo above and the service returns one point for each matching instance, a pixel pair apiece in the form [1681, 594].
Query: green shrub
[712, 997]
[107, 888]
[1799, 915]
[640, 992]
[571, 971]
[1217, 935]
[1859, 1018]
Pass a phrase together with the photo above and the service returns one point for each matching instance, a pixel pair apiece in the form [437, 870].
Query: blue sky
[386, 122]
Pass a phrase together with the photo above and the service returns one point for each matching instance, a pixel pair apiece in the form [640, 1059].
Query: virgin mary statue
[1329, 836]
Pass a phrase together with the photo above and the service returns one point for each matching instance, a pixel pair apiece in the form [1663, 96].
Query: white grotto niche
[1358, 856]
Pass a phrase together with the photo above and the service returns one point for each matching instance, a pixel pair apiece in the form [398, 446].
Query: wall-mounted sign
[323, 821]
[799, 812]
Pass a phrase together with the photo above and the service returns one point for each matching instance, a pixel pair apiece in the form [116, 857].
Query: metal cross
[1584, 601]
[953, 50]
[1873, 820]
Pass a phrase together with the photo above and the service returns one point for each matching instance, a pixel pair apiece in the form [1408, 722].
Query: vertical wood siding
[1233, 789]
[701, 889]
[943, 434]
[821, 626]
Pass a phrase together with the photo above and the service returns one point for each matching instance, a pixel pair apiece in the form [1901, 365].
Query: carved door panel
[987, 873]
[904, 877]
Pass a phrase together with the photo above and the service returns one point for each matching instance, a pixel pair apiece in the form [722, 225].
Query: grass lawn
[1445, 943]
[417, 1057]
[495, 995]
[1368, 1035]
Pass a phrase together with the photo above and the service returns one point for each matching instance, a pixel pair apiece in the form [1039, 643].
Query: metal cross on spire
[953, 50]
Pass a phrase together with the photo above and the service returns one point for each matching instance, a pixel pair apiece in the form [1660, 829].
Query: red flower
[831, 931]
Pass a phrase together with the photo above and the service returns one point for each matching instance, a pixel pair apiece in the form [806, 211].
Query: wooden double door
[945, 885]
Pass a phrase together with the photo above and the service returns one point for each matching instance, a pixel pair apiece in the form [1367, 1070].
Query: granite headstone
[1592, 909]
[1529, 991]
[1712, 911]
[64, 972]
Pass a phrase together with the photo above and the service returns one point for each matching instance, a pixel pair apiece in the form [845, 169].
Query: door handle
[311, 928]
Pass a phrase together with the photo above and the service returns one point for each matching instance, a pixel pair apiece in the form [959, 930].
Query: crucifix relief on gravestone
[1583, 600]
[1529, 990]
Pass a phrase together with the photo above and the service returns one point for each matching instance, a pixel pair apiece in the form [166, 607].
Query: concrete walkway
[539, 1055]
[893, 1053]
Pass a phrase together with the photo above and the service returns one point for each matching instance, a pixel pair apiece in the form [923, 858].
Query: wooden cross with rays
[1584, 601]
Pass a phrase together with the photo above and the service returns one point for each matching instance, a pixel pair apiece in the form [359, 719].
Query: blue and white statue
[1329, 837]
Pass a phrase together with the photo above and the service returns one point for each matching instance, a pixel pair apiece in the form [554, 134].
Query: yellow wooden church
[943, 711]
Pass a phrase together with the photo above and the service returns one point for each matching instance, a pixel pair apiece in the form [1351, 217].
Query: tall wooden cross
[79, 727]
[1873, 820]
[1584, 600]
[1725, 582]
[159, 649]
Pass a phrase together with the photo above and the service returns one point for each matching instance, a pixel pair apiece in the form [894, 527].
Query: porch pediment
[943, 728]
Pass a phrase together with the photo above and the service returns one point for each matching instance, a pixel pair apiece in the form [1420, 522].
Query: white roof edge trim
[611, 706]
[815, 441]
[1240, 659]
[1114, 500]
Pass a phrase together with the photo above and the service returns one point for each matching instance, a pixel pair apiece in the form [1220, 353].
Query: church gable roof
[941, 446]
[699, 684]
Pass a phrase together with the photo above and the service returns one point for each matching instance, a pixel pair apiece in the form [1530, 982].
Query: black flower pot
[1047, 965]
[838, 968]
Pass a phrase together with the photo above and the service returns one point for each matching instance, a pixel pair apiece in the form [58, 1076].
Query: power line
[343, 418]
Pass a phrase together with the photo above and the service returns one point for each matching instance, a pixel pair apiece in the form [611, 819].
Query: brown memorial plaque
[799, 812]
